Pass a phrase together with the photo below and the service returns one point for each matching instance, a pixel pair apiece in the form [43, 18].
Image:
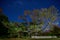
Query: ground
[29, 39]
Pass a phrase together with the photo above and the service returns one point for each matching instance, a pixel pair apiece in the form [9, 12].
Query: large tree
[44, 17]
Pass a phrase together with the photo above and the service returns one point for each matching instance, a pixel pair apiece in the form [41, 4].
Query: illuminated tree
[41, 17]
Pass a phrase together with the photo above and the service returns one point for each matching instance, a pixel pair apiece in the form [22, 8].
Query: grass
[29, 39]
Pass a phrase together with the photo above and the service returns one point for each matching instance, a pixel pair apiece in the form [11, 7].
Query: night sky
[15, 8]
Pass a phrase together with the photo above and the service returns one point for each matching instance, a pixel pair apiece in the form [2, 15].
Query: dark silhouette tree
[3, 28]
[56, 30]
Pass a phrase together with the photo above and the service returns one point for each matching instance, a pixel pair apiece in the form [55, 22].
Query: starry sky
[15, 8]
